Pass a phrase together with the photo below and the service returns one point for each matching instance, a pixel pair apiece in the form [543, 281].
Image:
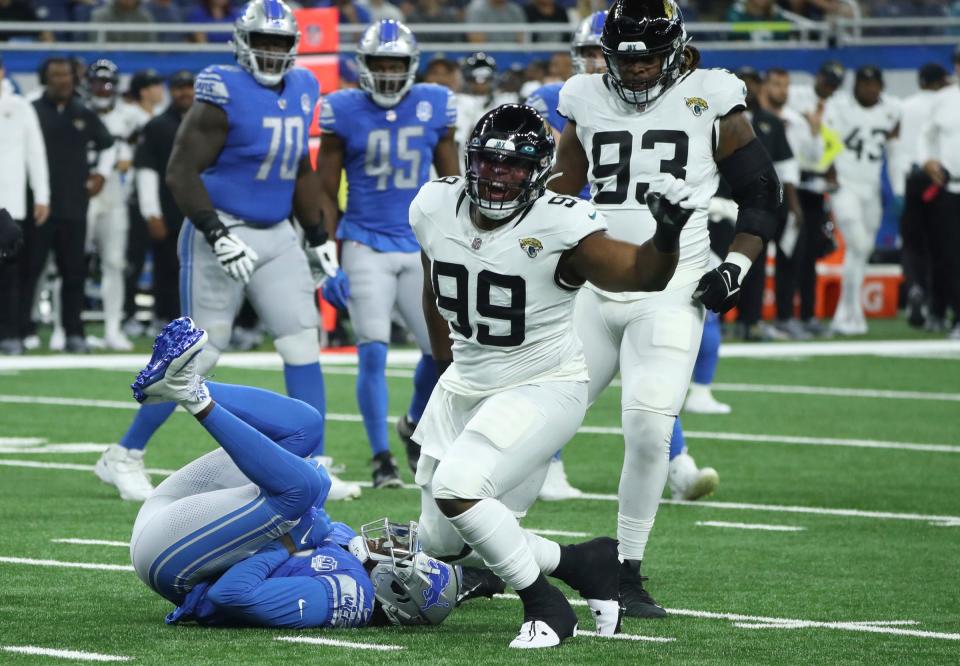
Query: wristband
[741, 261]
[208, 223]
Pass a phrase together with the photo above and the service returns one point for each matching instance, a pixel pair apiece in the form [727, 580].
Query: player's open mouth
[500, 191]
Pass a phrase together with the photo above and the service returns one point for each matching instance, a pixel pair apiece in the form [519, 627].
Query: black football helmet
[640, 29]
[102, 84]
[508, 141]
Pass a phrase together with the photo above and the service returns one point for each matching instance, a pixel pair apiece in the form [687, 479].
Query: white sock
[646, 463]
[491, 529]
[545, 552]
[112, 290]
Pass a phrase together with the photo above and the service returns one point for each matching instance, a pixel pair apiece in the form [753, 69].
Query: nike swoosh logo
[303, 539]
[301, 603]
[593, 215]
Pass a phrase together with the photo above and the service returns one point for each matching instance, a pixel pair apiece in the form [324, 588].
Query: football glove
[11, 237]
[336, 290]
[670, 203]
[719, 290]
[237, 259]
[313, 528]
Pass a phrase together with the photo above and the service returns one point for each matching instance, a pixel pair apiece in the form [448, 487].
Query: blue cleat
[171, 375]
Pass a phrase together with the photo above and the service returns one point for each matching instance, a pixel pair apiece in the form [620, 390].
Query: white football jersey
[123, 127]
[627, 150]
[865, 132]
[510, 319]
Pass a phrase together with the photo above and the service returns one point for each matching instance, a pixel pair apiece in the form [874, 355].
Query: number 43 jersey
[254, 175]
[865, 132]
[511, 321]
[387, 157]
[628, 149]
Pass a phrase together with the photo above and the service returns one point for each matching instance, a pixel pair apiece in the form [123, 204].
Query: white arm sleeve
[148, 193]
[106, 160]
[789, 171]
[37, 160]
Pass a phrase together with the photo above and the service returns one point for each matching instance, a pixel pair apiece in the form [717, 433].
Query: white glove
[237, 259]
[722, 209]
[675, 190]
[326, 256]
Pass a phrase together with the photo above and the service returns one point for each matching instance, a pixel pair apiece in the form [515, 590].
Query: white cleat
[700, 400]
[555, 485]
[58, 340]
[845, 327]
[117, 342]
[171, 373]
[536, 634]
[687, 482]
[340, 490]
[123, 468]
[32, 342]
[608, 614]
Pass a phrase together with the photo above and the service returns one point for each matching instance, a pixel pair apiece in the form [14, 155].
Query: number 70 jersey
[510, 318]
[627, 150]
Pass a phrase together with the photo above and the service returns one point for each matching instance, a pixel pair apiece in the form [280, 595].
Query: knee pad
[456, 479]
[299, 348]
[647, 437]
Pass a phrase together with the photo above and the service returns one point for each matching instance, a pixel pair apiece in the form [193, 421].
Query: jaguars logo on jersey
[531, 246]
[697, 105]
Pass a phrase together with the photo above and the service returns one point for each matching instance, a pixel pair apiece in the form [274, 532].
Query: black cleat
[916, 307]
[405, 428]
[592, 568]
[548, 618]
[636, 601]
[385, 472]
[479, 584]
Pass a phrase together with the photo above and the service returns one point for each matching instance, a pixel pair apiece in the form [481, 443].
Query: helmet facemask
[501, 181]
[641, 94]
[386, 88]
[101, 94]
[267, 65]
[588, 59]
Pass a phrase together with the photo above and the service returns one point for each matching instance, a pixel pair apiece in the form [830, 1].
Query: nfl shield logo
[424, 111]
[476, 243]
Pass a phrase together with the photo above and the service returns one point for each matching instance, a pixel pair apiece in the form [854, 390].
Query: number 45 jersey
[267, 132]
[511, 320]
[628, 149]
[387, 157]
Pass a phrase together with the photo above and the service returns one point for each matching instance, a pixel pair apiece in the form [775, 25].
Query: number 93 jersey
[865, 132]
[387, 157]
[254, 175]
[511, 320]
[627, 150]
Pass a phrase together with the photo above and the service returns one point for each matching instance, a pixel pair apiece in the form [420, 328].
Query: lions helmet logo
[439, 578]
[531, 246]
[697, 105]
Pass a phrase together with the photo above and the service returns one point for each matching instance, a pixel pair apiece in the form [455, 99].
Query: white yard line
[628, 637]
[92, 542]
[75, 655]
[592, 430]
[759, 621]
[21, 441]
[333, 642]
[70, 448]
[560, 533]
[940, 521]
[65, 565]
[751, 526]
[793, 389]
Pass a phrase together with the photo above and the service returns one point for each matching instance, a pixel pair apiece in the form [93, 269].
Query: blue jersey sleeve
[451, 105]
[331, 107]
[247, 595]
[211, 87]
[544, 99]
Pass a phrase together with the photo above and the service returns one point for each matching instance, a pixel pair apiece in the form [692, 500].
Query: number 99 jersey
[254, 175]
[511, 320]
[627, 150]
[387, 157]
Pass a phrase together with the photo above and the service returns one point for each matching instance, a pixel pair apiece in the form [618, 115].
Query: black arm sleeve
[147, 154]
[755, 187]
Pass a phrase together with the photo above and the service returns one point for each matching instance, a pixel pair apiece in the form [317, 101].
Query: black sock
[535, 592]
[568, 564]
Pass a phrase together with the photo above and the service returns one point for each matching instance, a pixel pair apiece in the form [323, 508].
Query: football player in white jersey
[655, 113]
[503, 261]
[866, 121]
[107, 220]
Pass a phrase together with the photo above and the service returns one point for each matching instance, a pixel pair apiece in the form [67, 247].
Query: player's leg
[851, 221]
[211, 297]
[660, 344]
[112, 243]
[373, 292]
[872, 208]
[510, 435]
[286, 485]
[700, 399]
[410, 305]
[686, 480]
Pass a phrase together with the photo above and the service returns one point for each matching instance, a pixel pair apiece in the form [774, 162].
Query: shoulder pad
[211, 85]
[723, 91]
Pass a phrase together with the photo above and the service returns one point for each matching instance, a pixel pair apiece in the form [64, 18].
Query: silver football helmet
[411, 587]
[587, 35]
[272, 18]
[387, 39]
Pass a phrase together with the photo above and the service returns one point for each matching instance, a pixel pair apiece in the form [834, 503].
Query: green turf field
[870, 576]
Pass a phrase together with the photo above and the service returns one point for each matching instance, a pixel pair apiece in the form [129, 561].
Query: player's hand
[671, 207]
[313, 528]
[719, 290]
[11, 237]
[935, 171]
[95, 184]
[237, 259]
[324, 257]
[41, 213]
[156, 228]
[336, 290]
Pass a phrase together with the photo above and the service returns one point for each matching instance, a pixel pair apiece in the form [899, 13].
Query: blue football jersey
[387, 157]
[254, 175]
